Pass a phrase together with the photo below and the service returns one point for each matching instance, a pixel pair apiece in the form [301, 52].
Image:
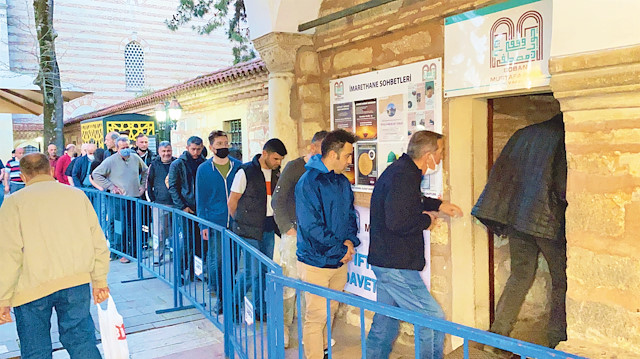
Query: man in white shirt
[250, 206]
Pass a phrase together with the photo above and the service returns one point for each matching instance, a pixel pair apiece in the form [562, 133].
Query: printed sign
[501, 47]
[384, 108]
[248, 311]
[197, 266]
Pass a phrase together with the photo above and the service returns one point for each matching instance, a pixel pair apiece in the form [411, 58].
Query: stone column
[278, 50]
[599, 94]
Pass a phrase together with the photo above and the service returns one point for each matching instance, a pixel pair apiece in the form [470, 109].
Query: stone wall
[598, 93]
[398, 33]
[509, 115]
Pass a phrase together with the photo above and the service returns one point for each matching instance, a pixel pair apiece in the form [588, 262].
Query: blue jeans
[15, 187]
[255, 272]
[1, 193]
[405, 289]
[77, 331]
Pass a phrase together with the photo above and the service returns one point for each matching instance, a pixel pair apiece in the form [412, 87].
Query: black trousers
[524, 263]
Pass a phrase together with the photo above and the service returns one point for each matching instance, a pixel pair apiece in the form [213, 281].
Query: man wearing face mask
[213, 187]
[399, 215]
[81, 168]
[123, 173]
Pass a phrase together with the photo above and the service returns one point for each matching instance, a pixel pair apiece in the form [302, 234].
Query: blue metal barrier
[200, 259]
[276, 283]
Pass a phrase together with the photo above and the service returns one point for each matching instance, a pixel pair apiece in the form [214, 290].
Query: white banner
[361, 279]
[384, 108]
[501, 47]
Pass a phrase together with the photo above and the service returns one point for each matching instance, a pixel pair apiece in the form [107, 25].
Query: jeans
[77, 331]
[15, 187]
[405, 289]
[255, 271]
[524, 263]
[1, 193]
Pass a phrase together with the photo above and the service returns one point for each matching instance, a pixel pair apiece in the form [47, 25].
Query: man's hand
[116, 190]
[291, 232]
[433, 216]
[141, 191]
[450, 209]
[205, 234]
[350, 252]
[5, 315]
[189, 210]
[6, 190]
[100, 294]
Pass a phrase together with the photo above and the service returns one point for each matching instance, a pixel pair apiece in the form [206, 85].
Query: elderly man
[110, 143]
[52, 151]
[123, 173]
[82, 167]
[158, 192]
[63, 163]
[64, 254]
[399, 215]
[12, 179]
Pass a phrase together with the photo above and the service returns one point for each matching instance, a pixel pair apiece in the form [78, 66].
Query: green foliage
[218, 13]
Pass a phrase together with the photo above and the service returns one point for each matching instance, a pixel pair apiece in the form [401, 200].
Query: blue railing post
[177, 299]
[227, 294]
[138, 235]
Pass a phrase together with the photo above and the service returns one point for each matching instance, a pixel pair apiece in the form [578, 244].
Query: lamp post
[171, 111]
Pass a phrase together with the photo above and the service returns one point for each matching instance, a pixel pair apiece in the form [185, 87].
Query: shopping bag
[114, 338]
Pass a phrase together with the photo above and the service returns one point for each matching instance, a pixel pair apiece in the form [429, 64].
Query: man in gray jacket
[284, 211]
[123, 173]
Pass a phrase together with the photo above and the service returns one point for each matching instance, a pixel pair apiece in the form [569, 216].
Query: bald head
[34, 164]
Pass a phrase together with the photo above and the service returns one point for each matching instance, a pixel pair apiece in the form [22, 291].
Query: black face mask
[222, 152]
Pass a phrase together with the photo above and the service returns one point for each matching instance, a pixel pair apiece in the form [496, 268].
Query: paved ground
[171, 335]
[181, 334]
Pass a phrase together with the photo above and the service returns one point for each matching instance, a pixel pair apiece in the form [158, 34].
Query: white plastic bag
[114, 338]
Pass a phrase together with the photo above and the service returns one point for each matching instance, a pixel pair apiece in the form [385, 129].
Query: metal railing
[277, 283]
[238, 288]
[215, 270]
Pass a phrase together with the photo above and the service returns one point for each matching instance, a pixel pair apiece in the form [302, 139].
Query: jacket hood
[185, 156]
[316, 163]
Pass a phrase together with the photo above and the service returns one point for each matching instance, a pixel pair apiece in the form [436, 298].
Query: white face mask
[91, 157]
[435, 170]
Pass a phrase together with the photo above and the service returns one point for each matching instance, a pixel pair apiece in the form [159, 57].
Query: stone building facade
[594, 68]
[214, 101]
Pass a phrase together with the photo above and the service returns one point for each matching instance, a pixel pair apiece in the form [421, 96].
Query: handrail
[468, 333]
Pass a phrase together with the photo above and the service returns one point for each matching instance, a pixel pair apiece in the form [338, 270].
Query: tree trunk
[49, 75]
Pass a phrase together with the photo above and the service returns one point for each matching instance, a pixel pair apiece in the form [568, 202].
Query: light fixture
[175, 110]
[161, 112]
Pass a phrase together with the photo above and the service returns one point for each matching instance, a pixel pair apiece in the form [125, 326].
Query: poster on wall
[498, 48]
[343, 115]
[361, 280]
[385, 108]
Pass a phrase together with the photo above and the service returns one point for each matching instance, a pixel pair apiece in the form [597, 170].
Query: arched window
[134, 66]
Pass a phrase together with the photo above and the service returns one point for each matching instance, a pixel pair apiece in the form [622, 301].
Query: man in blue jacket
[213, 186]
[81, 168]
[327, 232]
[399, 215]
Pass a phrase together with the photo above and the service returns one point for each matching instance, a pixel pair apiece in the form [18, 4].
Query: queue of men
[310, 206]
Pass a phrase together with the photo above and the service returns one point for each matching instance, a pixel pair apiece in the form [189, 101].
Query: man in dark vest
[250, 206]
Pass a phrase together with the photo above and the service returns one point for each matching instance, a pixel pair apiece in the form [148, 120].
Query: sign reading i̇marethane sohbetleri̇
[498, 48]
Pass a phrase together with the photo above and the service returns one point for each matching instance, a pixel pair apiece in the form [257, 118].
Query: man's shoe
[124, 260]
[326, 354]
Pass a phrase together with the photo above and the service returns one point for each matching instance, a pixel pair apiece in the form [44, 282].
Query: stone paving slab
[149, 335]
